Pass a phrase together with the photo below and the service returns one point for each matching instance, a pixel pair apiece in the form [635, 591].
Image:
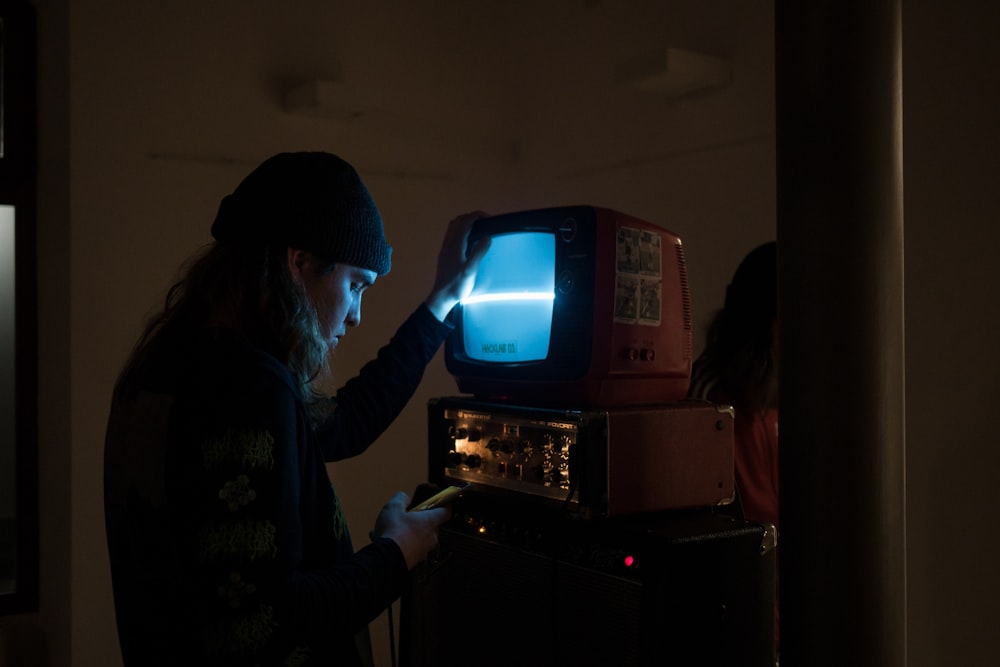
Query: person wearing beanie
[739, 367]
[227, 542]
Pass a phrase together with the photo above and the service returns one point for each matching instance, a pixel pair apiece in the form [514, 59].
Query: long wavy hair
[741, 358]
[246, 287]
[740, 355]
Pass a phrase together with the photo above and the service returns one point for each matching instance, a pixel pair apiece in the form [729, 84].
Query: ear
[298, 260]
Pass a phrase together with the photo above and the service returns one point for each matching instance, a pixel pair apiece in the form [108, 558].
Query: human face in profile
[335, 293]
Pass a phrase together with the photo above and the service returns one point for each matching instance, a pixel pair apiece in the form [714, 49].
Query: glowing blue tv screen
[508, 313]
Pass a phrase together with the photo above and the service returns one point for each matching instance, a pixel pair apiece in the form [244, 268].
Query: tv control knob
[647, 354]
[631, 354]
[568, 229]
[565, 282]
[474, 460]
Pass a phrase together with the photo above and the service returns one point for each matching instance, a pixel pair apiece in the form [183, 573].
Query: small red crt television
[577, 307]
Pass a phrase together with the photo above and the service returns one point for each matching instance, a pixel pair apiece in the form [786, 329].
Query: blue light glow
[508, 296]
[507, 317]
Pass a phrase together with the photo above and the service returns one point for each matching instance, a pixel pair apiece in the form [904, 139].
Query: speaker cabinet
[512, 585]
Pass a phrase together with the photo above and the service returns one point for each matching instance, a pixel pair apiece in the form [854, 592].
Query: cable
[392, 638]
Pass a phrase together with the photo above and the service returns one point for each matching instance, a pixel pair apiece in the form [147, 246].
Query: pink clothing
[757, 465]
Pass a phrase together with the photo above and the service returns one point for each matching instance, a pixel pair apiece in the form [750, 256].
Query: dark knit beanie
[312, 201]
[753, 292]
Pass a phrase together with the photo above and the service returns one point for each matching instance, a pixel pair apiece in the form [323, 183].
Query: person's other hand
[416, 533]
[456, 269]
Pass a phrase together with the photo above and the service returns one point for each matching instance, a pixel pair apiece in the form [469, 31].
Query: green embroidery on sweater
[296, 658]
[339, 519]
[243, 539]
[237, 493]
[253, 630]
[235, 591]
[253, 449]
[245, 633]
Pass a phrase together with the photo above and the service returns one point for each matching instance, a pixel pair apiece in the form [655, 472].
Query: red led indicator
[629, 561]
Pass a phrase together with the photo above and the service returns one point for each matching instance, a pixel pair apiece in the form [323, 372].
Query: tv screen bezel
[571, 332]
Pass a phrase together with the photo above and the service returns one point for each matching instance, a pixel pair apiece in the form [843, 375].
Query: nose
[353, 318]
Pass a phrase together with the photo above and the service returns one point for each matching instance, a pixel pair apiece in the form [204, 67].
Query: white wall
[499, 106]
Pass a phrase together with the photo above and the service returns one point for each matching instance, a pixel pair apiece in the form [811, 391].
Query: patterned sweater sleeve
[367, 404]
[273, 571]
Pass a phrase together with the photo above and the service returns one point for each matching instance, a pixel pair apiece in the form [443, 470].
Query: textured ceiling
[524, 81]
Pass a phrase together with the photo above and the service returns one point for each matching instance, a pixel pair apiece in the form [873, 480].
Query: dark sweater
[228, 544]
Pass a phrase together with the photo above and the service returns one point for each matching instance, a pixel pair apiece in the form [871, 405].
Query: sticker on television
[649, 301]
[626, 298]
[627, 250]
[638, 279]
[649, 254]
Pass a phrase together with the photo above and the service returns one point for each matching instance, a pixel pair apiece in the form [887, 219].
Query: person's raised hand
[456, 268]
